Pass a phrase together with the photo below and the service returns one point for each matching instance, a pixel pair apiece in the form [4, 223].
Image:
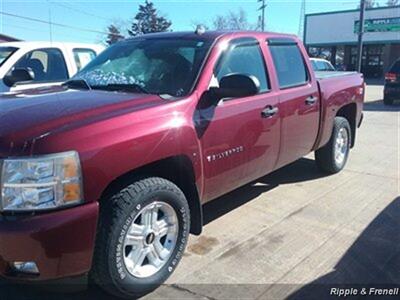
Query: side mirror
[235, 86]
[18, 75]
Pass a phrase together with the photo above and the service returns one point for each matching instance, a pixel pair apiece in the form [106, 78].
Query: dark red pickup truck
[107, 174]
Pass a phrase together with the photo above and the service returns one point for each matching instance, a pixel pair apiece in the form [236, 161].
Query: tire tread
[324, 156]
[111, 211]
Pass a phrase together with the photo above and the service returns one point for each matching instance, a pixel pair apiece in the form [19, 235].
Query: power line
[360, 35]
[50, 27]
[25, 28]
[302, 17]
[45, 31]
[79, 10]
[56, 24]
[39, 28]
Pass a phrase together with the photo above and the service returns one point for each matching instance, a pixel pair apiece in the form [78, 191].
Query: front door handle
[311, 100]
[269, 112]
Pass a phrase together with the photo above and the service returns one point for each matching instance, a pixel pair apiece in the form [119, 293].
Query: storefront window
[339, 61]
[372, 60]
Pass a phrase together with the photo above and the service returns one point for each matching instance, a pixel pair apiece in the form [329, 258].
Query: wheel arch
[349, 112]
[177, 169]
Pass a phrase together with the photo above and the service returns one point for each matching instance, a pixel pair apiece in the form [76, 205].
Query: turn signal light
[390, 76]
[72, 192]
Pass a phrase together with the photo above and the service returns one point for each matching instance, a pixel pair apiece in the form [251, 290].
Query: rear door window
[289, 63]
[47, 65]
[245, 58]
[82, 57]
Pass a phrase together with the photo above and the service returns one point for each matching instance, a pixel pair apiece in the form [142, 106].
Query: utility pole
[262, 8]
[50, 22]
[360, 36]
[302, 17]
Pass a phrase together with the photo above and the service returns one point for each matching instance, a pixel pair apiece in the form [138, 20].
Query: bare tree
[392, 2]
[221, 22]
[233, 21]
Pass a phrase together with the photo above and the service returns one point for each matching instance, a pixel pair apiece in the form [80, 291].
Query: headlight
[42, 182]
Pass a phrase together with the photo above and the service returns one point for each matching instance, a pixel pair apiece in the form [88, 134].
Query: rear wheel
[143, 230]
[333, 156]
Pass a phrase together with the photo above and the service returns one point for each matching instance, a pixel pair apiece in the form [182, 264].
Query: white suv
[26, 65]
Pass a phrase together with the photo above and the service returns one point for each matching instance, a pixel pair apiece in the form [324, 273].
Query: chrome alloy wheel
[341, 146]
[150, 239]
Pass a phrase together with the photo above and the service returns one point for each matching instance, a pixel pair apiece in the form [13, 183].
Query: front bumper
[61, 243]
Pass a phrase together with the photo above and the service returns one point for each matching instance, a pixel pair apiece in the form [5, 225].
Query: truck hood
[30, 114]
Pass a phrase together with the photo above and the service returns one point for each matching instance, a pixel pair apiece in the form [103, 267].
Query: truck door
[239, 143]
[298, 99]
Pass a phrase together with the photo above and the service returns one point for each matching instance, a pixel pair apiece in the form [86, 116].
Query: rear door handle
[269, 111]
[311, 100]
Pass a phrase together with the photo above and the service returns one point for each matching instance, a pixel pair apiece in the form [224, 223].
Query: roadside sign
[379, 25]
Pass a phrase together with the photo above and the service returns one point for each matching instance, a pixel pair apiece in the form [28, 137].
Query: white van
[26, 65]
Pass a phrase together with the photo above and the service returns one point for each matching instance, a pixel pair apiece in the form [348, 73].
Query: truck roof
[210, 35]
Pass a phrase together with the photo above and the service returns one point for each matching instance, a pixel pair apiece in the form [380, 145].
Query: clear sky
[281, 16]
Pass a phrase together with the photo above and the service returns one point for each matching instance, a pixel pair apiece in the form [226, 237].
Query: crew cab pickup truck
[25, 65]
[106, 175]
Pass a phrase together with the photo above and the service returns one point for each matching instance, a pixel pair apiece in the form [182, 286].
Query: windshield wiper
[128, 87]
[78, 83]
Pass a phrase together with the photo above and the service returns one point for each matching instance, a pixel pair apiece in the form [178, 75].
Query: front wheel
[143, 230]
[333, 156]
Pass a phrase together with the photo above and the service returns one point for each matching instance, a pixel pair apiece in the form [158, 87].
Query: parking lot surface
[298, 232]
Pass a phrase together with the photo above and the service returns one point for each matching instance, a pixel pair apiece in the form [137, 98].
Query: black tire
[387, 101]
[325, 156]
[116, 215]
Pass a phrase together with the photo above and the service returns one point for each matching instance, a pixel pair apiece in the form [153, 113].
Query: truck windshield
[5, 53]
[155, 66]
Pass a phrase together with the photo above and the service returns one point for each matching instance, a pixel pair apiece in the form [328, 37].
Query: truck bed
[337, 89]
[320, 75]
